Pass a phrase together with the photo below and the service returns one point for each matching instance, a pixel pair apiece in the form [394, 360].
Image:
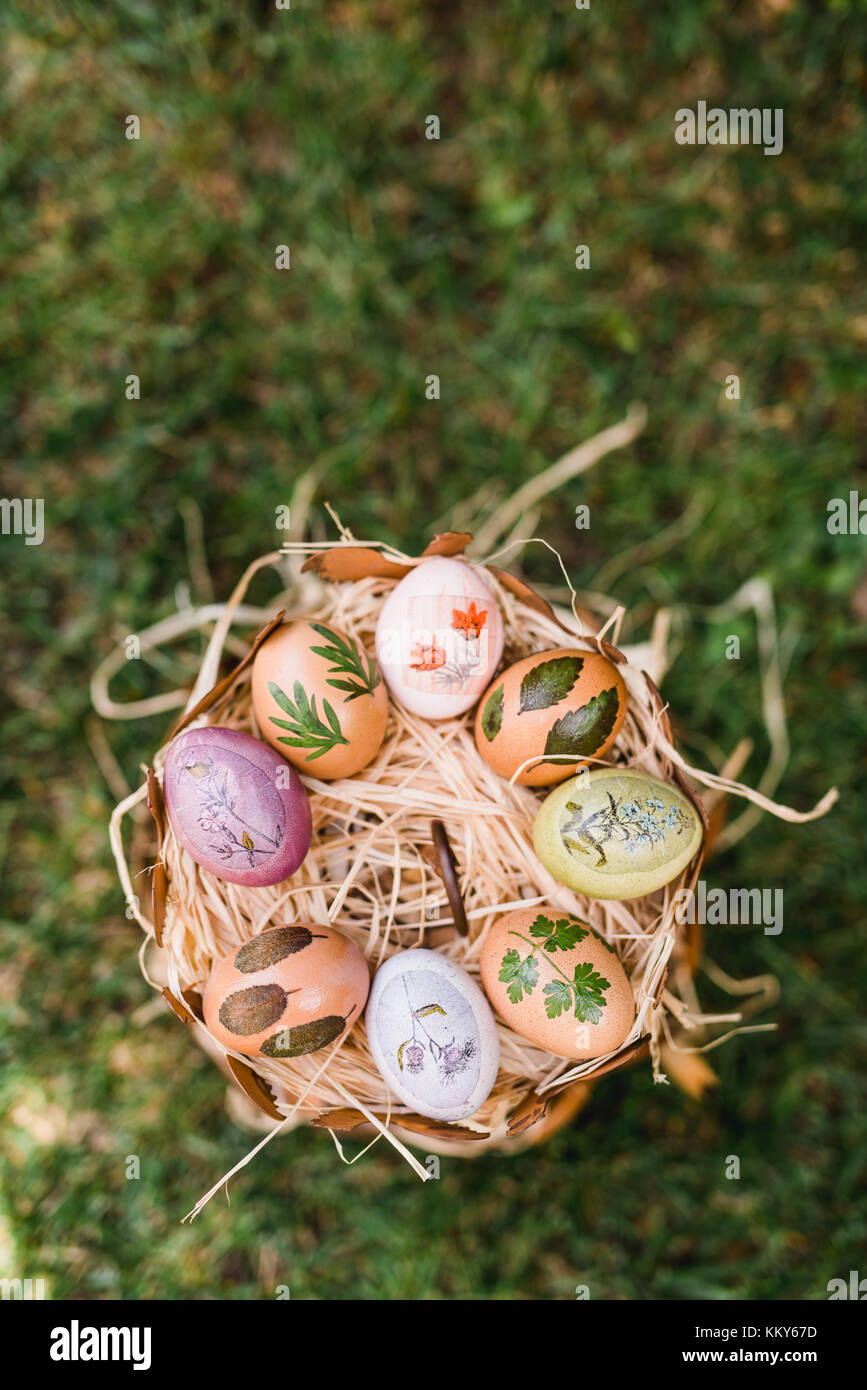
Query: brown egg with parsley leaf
[555, 981]
[561, 707]
[319, 699]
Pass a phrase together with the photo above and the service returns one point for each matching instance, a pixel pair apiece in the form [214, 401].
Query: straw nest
[371, 873]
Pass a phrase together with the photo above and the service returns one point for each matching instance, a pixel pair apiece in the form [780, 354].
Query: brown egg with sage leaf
[319, 699]
[288, 991]
[560, 707]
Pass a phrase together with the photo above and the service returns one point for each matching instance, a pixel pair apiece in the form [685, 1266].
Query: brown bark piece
[177, 1009]
[522, 590]
[159, 877]
[434, 1129]
[223, 686]
[533, 1107]
[254, 1086]
[342, 1120]
[527, 1112]
[440, 856]
[347, 563]
[448, 543]
[193, 1000]
[348, 1119]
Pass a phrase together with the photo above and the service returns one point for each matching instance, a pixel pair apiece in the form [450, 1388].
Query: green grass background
[412, 257]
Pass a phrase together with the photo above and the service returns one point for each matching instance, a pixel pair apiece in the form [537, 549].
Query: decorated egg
[239, 809]
[439, 638]
[557, 983]
[288, 991]
[561, 706]
[616, 833]
[319, 699]
[432, 1035]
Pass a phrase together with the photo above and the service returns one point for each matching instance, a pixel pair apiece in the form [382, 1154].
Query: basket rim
[529, 1110]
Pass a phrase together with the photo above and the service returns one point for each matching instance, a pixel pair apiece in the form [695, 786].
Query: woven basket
[373, 871]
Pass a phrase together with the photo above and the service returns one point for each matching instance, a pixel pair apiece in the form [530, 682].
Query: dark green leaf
[271, 946]
[304, 1037]
[492, 714]
[581, 732]
[549, 682]
[301, 700]
[249, 1011]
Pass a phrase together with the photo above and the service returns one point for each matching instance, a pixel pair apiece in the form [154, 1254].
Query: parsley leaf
[558, 936]
[559, 998]
[589, 987]
[520, 975]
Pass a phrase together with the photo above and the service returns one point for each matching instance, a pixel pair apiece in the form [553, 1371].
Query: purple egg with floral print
[238, 807]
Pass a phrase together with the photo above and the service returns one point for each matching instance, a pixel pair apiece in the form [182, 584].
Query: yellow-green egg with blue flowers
[616, 832]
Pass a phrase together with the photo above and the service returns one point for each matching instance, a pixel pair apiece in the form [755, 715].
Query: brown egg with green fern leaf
[560, 707]
[319, 699]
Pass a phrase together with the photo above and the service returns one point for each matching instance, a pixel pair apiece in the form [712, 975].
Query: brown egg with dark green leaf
[288, 991]
[561, 707]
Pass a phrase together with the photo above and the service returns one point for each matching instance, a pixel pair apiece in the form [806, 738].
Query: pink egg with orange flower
[439, 638]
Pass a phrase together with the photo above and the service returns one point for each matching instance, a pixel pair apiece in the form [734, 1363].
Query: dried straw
[366, 873]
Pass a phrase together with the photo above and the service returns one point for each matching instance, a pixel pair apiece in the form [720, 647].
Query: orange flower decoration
[427, 658]
[471, 622]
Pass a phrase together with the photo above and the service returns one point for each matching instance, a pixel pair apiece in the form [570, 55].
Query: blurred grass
[412, 257]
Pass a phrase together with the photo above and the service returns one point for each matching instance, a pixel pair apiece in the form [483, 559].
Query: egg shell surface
[288, 991]
[560, 702]
[581, 981]
[319, 699]
[616, 833]
[239, 809]
[439, 638]
[432, 1035]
